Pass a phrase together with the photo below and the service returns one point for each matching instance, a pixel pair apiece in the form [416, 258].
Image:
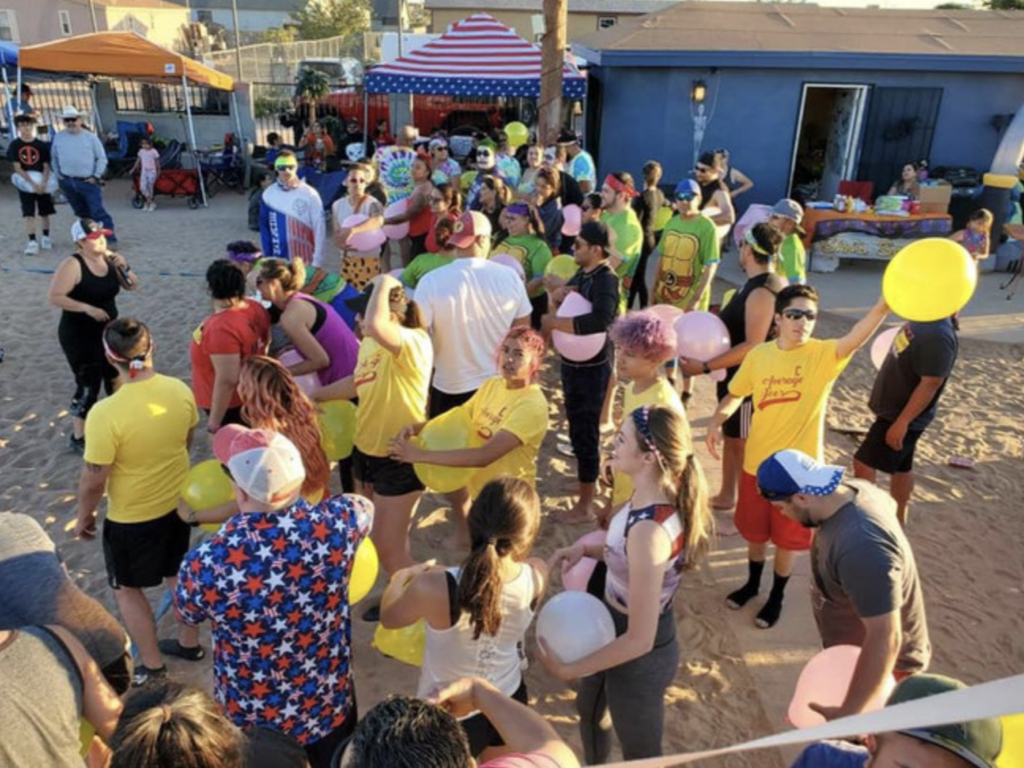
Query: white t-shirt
[469, 305]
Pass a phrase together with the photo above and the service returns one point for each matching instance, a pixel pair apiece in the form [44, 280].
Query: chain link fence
[279, 62]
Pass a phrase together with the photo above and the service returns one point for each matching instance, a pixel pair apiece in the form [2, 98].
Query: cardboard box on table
[934, 198]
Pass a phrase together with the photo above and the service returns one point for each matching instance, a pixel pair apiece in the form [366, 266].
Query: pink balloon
[825, 680]
[578, 576]
[572, 220]
[308, 381]
[666, 312]
[397, 231]
[511, 263]
[573, 347]
[882, 344]
[364, 241]
[701, 336]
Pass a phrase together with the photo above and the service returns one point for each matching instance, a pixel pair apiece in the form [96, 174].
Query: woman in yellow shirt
[509, 414]
[390, 380]
[643, 344]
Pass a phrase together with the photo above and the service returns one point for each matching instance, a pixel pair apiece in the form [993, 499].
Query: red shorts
[759, 522]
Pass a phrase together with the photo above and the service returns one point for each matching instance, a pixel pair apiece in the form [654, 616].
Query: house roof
[730, 34]
[138, 4]
[280, 6]
[611, 7]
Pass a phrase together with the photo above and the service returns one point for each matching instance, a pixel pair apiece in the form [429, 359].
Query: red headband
[620, 186]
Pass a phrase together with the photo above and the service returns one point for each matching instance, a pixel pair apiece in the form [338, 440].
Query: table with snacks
[832, 235]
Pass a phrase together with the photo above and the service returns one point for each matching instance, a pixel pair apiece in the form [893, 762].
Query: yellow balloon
[407, 644]
[518, 134]
[85, 736]
[662, 217]
[563, 266]
[449, 431]
[207, 486]
[364, 571]
[1012, 754]
[337, 428]
[930, 279]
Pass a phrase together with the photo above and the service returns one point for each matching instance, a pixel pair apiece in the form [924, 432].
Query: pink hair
[531, 342]
[645, 335]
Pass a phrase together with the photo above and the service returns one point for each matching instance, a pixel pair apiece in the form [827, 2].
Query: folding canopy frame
[129, 55]
[477, 56]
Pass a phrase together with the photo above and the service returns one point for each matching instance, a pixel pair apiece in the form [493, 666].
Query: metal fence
[131, 96]
[274, 110]
[49, 97]
[279, 62]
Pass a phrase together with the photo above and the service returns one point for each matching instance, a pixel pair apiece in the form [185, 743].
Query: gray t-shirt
[35, 589]
[862, 567]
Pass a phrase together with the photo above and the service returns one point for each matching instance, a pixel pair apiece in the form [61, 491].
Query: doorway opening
[827, 140]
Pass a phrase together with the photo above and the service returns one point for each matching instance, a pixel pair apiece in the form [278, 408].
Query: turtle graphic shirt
[686, 247]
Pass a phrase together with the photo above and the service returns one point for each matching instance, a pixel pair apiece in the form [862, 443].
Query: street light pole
[238, 38]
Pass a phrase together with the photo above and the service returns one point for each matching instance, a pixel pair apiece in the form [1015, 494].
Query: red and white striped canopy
[478, 56]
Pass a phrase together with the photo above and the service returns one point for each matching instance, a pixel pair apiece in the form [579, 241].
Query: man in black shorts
[136, 448]
[31, 159]
[904, 400]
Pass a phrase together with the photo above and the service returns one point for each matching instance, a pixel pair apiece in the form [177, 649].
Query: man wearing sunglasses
[78, 158]
[789, 380]
[713, 191]
[292, 224]
[865, 589]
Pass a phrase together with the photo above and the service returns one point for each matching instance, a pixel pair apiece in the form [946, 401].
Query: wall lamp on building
[698, 92]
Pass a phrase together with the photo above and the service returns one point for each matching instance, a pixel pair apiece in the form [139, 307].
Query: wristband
[706, 367]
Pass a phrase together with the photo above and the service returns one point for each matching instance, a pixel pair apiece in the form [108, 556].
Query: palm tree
[312, 85]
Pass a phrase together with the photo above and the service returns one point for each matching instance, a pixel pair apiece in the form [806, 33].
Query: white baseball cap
[264, 464]
[70, 112]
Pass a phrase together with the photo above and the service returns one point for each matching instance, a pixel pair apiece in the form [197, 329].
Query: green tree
[312, 85]
[285, 34]
[332, 18]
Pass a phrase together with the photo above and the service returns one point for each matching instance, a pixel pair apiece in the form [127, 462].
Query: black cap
[567, 137]
[595, 233]
[358, 304]
[708, 159]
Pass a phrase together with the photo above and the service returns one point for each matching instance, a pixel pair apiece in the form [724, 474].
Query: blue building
[801, 95]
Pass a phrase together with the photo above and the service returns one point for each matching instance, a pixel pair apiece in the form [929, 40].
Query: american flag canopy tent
[478, 56]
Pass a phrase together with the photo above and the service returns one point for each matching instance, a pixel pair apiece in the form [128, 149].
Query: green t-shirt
[629, 238]
[794, 259]
[531, 251]
[686, 247]
[421, 265]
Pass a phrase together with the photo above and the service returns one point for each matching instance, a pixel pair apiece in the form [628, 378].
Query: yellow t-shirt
[790, 390]
[524, 413]
[392, 389]
[141, 433]
[661, 393]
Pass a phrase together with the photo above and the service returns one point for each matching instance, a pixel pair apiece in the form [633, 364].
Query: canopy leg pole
[243, 147]
[366, 122]
[9, 107]
[192, 141]
[17, 94]
[97, 121]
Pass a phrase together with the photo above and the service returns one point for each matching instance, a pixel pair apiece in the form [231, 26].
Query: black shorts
[31, 202]
[482, 733]
[876, 453]
[441, 402]
[142, 555]
[231, 416]
[388, 476]
[738, 425]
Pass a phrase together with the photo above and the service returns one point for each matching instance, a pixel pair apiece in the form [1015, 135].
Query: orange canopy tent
[127, 55]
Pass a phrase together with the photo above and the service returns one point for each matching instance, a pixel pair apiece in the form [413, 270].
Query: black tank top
[98, 291]
[734, 316]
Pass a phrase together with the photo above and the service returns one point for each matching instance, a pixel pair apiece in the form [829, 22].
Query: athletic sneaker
[172, 647]
[32, 248]
[46, 243]
[152, 206]
[143, 675]
[77, 444]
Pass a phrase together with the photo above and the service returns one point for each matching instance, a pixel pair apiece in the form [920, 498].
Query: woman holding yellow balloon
[391, 380]
[508, 417]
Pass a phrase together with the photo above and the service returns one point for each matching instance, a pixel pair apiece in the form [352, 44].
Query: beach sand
[734, 681]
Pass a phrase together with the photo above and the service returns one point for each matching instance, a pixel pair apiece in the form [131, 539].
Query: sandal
[143, 675]
[173, 648]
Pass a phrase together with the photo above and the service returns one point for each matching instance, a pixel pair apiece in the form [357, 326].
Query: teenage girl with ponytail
[665, 529]
[477, 614]
[326, 343]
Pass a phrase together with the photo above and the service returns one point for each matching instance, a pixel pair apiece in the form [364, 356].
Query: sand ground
[734, 681]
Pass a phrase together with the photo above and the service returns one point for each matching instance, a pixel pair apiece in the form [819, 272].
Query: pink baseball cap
[264, 464]
[469, 226]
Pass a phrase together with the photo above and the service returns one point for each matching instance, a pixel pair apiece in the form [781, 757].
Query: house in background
[803, 95]
[28, 22]
[254, 16]
[526, 17]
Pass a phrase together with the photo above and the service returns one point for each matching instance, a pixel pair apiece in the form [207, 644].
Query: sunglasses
[686, 197]
[70, 120]
[285, 167]
[702, 169]
[796, 314]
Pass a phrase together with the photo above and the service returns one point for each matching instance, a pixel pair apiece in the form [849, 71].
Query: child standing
[976, 236]
[31, 158]
[148, 165]
[643, 344]
[476, 615]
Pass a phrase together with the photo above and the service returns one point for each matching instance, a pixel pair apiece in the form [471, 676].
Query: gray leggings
[630, 697]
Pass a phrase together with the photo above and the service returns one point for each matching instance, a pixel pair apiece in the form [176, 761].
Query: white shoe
[32, 248]
[152, 206]
[46, 243]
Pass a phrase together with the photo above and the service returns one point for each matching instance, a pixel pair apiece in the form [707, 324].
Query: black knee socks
[742, 596]
[769, 615]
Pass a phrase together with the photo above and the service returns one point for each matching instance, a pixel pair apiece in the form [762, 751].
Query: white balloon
[574, 625]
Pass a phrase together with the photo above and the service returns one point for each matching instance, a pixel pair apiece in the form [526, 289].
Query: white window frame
[609, 22]
[12, 24]
[64, 19]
